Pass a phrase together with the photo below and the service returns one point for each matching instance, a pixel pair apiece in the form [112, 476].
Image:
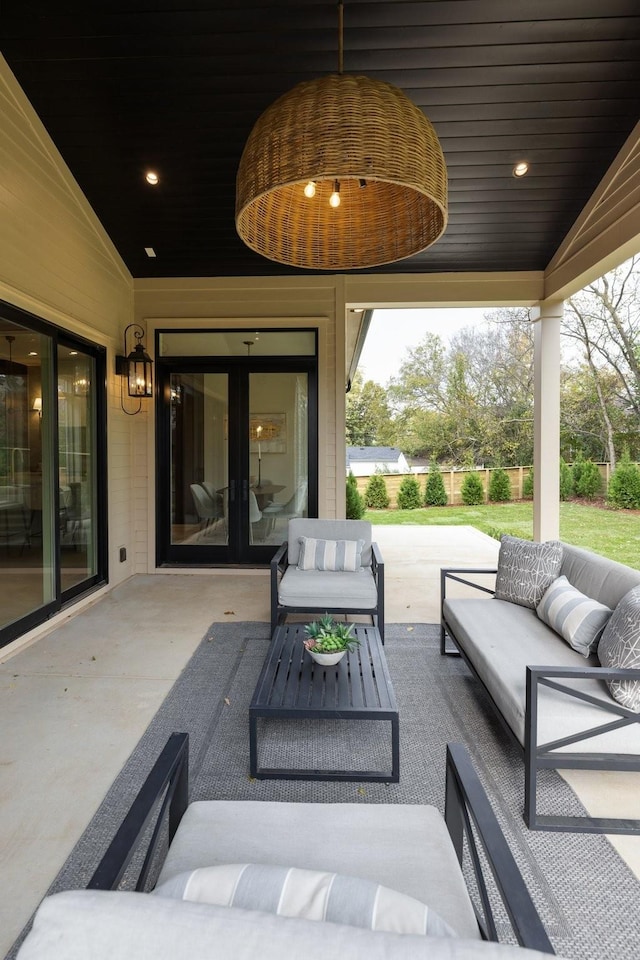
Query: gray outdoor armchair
[320, 589]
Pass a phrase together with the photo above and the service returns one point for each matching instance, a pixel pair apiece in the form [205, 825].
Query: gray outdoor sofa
[357, 591]
[554, 701]
[410, 849]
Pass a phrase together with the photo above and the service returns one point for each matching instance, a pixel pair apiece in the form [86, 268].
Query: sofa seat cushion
[320, 588]
[404, 846]
[311, 894]
[501, 640]
[81, 924]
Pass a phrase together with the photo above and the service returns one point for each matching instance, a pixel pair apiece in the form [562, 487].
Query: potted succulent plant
[328, 641]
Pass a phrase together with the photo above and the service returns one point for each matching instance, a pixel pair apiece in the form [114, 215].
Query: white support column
[546, 434]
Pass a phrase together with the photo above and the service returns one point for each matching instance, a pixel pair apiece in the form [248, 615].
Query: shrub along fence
[453, 480]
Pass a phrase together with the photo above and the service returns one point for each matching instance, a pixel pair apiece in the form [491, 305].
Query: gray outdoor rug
[589, 900]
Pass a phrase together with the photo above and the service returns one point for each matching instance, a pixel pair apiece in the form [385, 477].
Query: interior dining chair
[294, 507]
[208, 509]
[255, 513]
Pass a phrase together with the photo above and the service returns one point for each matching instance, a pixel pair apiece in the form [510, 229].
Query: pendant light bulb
[334, 199]
[310, 189]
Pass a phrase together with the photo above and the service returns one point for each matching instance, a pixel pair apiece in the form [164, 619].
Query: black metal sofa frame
[540, 756]
[156, 811]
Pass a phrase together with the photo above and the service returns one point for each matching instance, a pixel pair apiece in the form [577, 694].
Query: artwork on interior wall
[268, 433]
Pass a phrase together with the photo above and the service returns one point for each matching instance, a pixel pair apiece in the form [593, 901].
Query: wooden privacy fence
[453, 480]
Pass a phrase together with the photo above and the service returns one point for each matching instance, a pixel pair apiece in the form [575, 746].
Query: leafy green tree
[471, 398]
[590, 481]
[409, 494]
[472, 489]
[355, 502]
[577, 469]
[527, 485]
[367, 416]
[376, 495]
[435, 495]
[499, 486]
[566, 479]
[624, 485]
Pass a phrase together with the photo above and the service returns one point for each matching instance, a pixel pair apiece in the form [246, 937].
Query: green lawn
[613, 533]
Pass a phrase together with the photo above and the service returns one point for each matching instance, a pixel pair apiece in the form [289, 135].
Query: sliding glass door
[51, 445]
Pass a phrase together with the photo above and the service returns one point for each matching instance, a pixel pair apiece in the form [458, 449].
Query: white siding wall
[58, 263]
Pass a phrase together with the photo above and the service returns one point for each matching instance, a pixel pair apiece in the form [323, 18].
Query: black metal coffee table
[292, 686]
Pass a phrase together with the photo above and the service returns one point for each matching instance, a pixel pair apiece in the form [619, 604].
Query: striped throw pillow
[310, 894]
[576, 617]
[330, 554]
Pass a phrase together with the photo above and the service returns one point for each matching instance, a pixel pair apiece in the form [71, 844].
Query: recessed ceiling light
[521, 169]
[150, 252]
[73, 353]
[152, 177]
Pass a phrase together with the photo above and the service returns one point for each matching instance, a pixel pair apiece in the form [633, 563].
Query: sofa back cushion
[599, 578]
[328, 530]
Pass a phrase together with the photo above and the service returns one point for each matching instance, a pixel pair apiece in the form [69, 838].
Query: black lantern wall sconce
[137, 367]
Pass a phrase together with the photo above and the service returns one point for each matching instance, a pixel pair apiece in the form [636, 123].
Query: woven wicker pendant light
[356, 140]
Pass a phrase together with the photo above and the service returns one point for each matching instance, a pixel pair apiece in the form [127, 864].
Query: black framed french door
[237, 457]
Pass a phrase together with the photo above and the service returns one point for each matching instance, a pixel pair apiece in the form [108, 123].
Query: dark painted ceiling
[176, 85]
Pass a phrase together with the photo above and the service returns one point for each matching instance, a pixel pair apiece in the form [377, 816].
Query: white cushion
[325, 589]
[330, 554]
[411, 851]
[310, 894]
[577, 618]
[82, 924]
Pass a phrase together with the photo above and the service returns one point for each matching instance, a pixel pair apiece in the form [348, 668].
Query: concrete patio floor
[76, 700]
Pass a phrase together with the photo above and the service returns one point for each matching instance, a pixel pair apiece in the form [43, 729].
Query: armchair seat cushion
[316, 588]
[406, 847]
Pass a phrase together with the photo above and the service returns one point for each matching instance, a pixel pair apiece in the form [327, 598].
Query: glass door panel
[27, 544]
[77, 467]
[199, 457]
[278, 454]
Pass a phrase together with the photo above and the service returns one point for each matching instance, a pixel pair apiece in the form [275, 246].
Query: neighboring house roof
[369, 454]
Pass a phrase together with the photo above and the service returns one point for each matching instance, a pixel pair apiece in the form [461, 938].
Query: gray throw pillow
[343, 555]
[620, 647]
[310, 894]
[526, 569]
[577, 618]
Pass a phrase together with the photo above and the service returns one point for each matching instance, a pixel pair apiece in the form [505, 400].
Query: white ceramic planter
[326, 659]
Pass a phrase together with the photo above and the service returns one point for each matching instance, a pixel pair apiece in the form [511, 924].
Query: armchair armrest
[278, 565]
[377, 569]
[165, 790]
[467, 805]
